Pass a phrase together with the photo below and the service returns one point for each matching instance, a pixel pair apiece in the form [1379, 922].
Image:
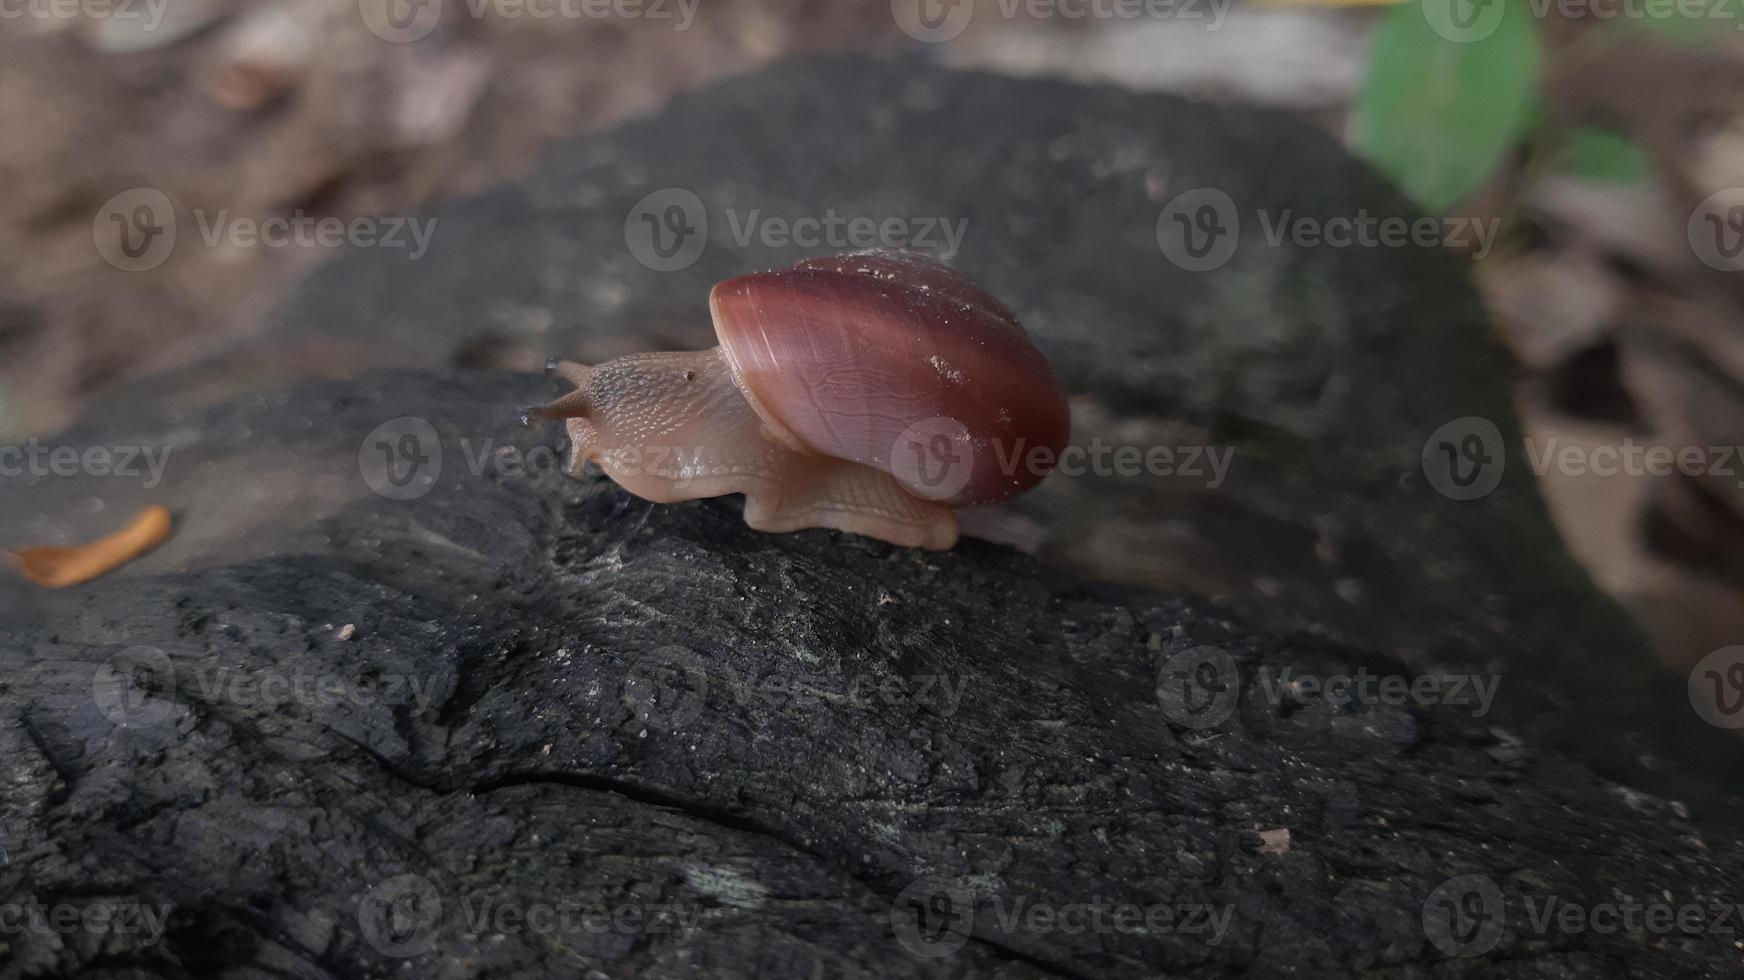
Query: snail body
[872, 393]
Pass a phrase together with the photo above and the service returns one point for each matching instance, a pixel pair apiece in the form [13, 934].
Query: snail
[872, 392]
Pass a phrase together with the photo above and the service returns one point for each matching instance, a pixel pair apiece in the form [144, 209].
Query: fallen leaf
[57, 568]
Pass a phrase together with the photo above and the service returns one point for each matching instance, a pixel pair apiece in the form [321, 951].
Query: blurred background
[1601, 143]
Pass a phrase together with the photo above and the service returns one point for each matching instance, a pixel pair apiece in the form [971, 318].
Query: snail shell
[870, 392]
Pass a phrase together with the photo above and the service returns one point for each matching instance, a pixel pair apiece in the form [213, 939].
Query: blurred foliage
[1453, 89]
[1602, 155]
[1437, 114]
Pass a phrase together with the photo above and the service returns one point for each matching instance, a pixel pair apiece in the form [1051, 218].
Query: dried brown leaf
[57, 568]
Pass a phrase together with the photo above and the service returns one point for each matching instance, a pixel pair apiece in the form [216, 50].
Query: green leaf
[1601, 154]
[1452, 86]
